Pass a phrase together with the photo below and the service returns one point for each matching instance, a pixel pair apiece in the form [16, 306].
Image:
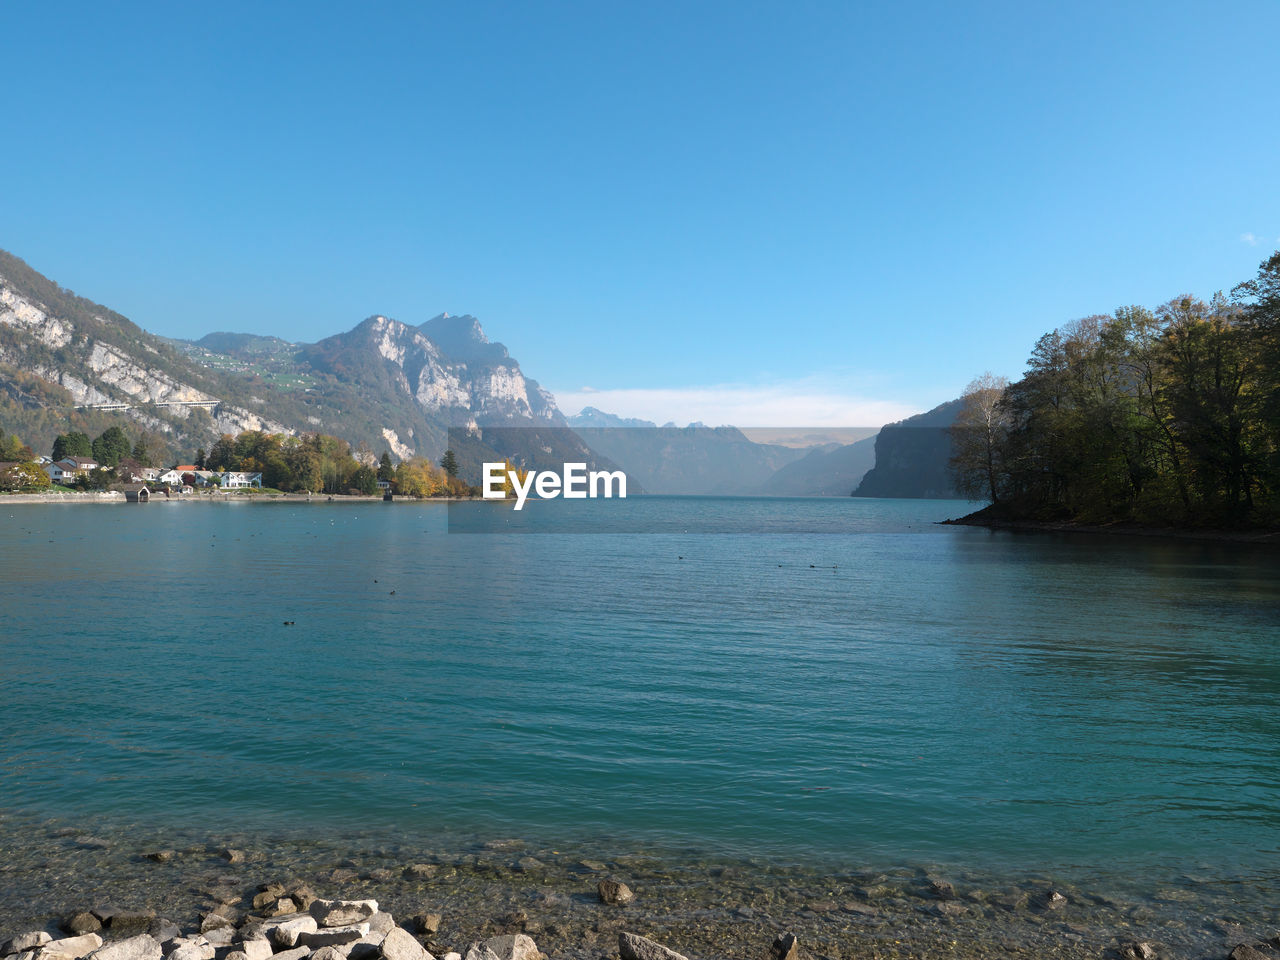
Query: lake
[816, 683]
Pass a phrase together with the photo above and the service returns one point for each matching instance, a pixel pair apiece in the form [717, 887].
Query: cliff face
[102, 360]
[384, 384]
[911, 457]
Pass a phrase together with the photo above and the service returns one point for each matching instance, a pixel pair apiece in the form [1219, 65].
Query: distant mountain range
[67, 363]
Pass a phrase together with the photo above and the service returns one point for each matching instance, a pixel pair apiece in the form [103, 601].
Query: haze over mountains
[67, 363]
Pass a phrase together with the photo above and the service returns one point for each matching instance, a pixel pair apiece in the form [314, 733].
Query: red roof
[190, 468]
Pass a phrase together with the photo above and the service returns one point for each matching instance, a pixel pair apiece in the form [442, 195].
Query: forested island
[1164, 418]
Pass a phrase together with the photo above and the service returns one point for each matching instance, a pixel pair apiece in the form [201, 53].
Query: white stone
[142, 947]
[80, 946]
[399, 944]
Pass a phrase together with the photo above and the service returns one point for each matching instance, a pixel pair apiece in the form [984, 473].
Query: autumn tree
[978, 438]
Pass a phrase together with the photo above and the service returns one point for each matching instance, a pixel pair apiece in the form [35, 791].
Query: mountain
[829, 470]
[694, 460]
[911, 457]
[67, 363]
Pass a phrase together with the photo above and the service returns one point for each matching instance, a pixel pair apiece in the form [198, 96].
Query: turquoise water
[857, 686]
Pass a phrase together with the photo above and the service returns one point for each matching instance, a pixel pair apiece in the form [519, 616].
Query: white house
[232, 480]
[68, 468]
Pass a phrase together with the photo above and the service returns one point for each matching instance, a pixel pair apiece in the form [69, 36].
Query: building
[235, 480]
[67, 469]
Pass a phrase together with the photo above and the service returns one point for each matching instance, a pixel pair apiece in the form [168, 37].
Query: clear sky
[838, 210]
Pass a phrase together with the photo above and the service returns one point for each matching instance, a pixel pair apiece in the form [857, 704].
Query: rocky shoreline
[82, 897]
[1120, 528]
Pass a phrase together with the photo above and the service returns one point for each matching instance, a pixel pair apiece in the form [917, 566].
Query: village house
[67, 469]
[233, 480]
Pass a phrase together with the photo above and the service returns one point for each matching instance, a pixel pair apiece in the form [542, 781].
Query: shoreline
[1266, 535]
[453, 896]
[116, 496]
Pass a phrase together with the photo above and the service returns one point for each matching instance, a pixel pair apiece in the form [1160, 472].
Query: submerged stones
[614, 891]
[508, 947]
[82, 922]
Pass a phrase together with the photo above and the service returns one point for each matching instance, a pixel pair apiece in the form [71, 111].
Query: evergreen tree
[111, 447]
[72, 445]
[385, 470]
[450, 463]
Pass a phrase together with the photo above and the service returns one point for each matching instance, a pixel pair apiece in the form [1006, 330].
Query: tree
[450, 463]
[198, 463]
[13, 449]
[385, 470]
[25, 477]
[978, 438]
[365, 480]
[111, 447]
[223, 455]
[72, 445]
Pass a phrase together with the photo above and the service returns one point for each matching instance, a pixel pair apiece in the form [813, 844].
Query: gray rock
[24, 942]
[192, 948]
[235, 955]
[942, 890]
[452, 956]
[1139, 950]
[428, 923]
[140, 947]
[270, 893]
[220, 936]
[333, 936]
[161, 856]
[614, 891]
[632, 946]
[1246, 952]
[420, 871]
[1053, 900]
[284, 931]
[80, 946]
[381, 923]
[256, 949]
[224, 916]
[232, 855]
[786, 947]
[399, 944]
[24, 955]
[329, 953]
[297, 953]
[162, 930]
[530, 865]
[82, 922]
[303, 896]
[512, 946]
[341, 913]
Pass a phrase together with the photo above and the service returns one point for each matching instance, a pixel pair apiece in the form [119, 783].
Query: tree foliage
[1165, 416]
[72, 445]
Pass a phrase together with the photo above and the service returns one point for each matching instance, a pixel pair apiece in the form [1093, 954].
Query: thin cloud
[1252, 239]
[785, 404]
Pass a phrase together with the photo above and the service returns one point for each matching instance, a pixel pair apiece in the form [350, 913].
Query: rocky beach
[66, 894]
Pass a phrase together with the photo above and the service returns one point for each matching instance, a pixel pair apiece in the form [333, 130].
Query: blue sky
[785, 212]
